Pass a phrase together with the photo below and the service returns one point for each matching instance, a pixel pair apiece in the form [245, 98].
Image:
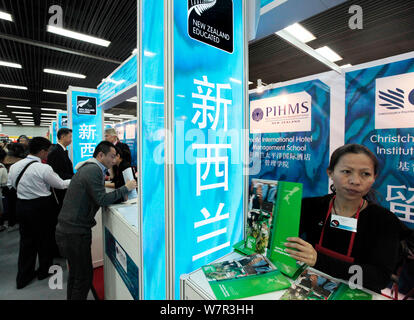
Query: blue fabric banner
[380, 115]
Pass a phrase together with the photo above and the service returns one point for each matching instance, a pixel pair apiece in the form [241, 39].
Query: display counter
[195, 286]
[121, 252]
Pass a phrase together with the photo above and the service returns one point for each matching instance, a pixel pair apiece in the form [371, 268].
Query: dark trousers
[10, 206]
[60, 195]
[36, 238]
[76, 248]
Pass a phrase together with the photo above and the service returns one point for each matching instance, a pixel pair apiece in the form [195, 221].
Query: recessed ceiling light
[18, 107]
[300, 33]
[5, 16]
[47, 109]
[54, 91]
[12, 86]
[19, 112]
[78, 36]
[10, 64]
[329, 54]
[64, 73]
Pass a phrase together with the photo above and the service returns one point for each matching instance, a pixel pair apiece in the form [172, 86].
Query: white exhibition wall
[27, 130]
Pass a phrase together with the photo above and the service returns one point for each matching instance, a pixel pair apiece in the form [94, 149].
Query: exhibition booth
[203, 145]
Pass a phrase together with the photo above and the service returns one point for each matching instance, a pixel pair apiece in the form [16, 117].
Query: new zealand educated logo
[211, 22]
[257, 114]
[86, 105]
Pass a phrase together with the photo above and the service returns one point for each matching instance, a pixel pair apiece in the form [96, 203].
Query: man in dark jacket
[86, 193]
[59, 160]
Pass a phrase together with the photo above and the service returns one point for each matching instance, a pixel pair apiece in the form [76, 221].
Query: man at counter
[86, 193]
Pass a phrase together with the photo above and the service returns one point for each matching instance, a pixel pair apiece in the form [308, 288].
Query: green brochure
[244, 277]
[262, 196]
[286, 221]
[344, 292]
[311, 285]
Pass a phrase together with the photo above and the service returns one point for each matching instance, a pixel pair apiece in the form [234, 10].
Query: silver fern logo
[199, 6]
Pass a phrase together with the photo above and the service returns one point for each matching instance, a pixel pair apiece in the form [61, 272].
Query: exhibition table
[195, 286]
[121, 252]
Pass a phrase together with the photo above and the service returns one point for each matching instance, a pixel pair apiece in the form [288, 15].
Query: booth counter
[121, 252]
[195, 286]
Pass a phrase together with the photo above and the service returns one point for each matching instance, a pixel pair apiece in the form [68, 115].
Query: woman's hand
[304, 251]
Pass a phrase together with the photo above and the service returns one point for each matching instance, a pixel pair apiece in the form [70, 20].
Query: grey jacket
[85, 194]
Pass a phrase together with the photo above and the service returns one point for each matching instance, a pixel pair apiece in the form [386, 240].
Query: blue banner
[209, 109]
[289, 135]
[62, 120]
[122, 78]
[152, 119]
[87, 124]
[379, 115]
[54, 132]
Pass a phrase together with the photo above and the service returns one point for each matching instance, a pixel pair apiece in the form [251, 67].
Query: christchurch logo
[199, 6]
[257, 114]
[392, 99]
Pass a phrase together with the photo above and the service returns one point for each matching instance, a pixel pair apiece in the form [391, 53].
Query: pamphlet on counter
[312, 285]
[244, 277]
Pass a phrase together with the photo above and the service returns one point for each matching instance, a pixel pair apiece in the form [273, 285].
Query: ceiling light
[3, 116]
[78, 36]
[329, 54]
[54, 91]
[300, 33]
[346, 65]
[12, 86]
[18, 107]
[64, 73]
[5, 16]
[108, 114]
[10, 64]
[19, 112]
[48, 109]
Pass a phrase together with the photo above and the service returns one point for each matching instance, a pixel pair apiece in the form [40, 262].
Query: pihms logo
[283, 113]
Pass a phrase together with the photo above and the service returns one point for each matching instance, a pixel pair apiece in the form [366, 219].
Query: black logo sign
[64, 122]
[211, 22]
[86, 105]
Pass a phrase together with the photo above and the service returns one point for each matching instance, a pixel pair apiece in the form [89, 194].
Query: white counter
[121, 252]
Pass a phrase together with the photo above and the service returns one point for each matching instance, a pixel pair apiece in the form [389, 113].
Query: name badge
[344, 223]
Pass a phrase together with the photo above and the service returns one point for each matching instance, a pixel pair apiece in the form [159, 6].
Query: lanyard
[332, 253]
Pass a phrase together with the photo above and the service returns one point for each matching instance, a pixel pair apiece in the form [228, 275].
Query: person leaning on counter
[347, 227]
[85, 195]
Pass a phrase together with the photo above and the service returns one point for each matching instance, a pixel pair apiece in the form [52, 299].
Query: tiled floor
[36, 290]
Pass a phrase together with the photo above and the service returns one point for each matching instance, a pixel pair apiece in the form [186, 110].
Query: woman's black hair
[17, 150]
[124, 153]
[356, 149]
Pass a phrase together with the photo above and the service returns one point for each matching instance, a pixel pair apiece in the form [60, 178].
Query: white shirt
[37, 179]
